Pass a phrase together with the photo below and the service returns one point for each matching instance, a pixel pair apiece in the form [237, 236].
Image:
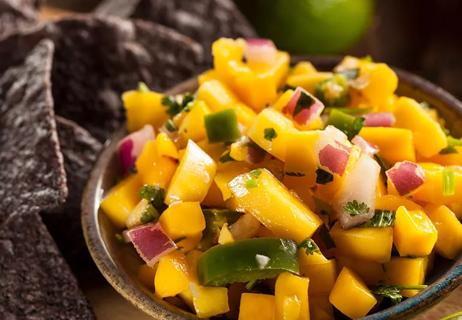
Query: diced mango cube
[226, 173]
[303, 67]
[154, 168]
[165, 146]
[406, 271]
[449, 243]
[257, 306]
[413, 233]
[225, 235]
[144, 107]
[192, 127]
[393, 202]
[386, 140]
[209, 301]
[351, 296]
[429, 137]
[308, 81]
[382, 82]
[172, 275]
[189, 243]
[322, 274]
[268, 200]
[291, 297]
[371, 272]
[300, 155]
[432, 190]
[373, 244]
[182, 219]
[121, 200]
[193, 177]
[270, 119]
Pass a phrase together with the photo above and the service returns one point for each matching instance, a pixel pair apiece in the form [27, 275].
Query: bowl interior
[119, 262]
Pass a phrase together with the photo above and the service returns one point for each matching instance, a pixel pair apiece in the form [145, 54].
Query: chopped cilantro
[381, 219]
[270, 134]
[149, 214]
[452, 144]
[174, 107]
[305, 101]
[155, 195]
[251, 183]
[333, 92]
[142, 87]
[393, 292]
[295, 174]
[170, 125]
[354, 208]
[309, 245]
[449, 183]
[323, 177]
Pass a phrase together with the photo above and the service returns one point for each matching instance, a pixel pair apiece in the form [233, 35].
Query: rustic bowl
[119, 263]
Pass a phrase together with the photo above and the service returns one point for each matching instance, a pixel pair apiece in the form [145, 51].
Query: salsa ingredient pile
[279, 192]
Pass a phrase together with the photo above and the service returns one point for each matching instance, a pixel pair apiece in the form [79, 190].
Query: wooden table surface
[108, 304]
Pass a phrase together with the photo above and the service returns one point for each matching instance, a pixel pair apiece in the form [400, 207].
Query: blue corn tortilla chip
[32, 173]
[16, 15]
[35, 281]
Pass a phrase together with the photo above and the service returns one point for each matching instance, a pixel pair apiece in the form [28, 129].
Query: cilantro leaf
[354, 208]
[174, 106]
[154, 194]
[170, 125]
[393, 292]
[149, 214]
[452, 144]
[270, 134]
[309, 245]
[323, 177]
[381, 219]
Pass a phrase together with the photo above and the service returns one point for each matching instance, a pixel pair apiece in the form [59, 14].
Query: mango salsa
[278, 193]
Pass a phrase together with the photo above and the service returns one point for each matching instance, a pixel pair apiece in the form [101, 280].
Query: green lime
[312, 26]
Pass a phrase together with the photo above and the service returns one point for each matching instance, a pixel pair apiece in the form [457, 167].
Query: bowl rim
[446, 283]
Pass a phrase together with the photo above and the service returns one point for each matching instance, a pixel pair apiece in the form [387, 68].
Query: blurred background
[422, 36]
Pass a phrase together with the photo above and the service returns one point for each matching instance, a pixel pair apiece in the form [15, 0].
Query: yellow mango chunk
[303, 67]
[300, 155]
[291, 297]
[322, 274]
[225, 235]
[450, 159]
[144, 107]
[320, 308]
[256, 306]
[154, 168]
[370, 272]
[271, 119]
[373, 244]
[413, 233]
[193, 177]
[209, 301]
[207, 75]
[218, 97]
[192, 127]
[214, 150]
[351, 296]
[395, 144]
[189, 243]
[432, 190]
[449, 243]
[381, 82]
[255, 85]
[121, 200]
[172, 275]
[165, 146]
[226, 173]
[182, 219]
[429, 137]
[457, 209]
[406, 271]
[268, 200]
[308, 81]
[393, 202]
[283, 100]
[298, 186]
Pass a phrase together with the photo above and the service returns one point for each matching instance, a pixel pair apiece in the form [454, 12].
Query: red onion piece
[379, 119]
[406, 176]
[150, 242]
[307, 113]
[334, 158]
[259, 50]
[359, 185]
[130, 147]
[365, 146]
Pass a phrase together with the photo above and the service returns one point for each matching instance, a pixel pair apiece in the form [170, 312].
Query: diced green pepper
[333, 92]
[350, 125]
[222, 126]
[247, 260]
[214, 221]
